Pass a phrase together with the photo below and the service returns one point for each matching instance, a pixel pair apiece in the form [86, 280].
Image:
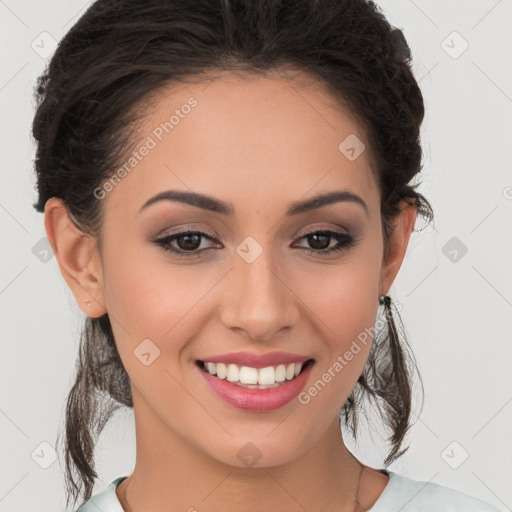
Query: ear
[78, 258]
[399, 239]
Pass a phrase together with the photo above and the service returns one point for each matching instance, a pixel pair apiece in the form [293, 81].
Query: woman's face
[255, 281]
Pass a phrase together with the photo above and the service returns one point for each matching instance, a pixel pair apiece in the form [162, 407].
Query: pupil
[320, 245]
[187, 246]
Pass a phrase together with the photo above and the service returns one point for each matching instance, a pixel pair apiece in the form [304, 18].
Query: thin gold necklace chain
[356, 494]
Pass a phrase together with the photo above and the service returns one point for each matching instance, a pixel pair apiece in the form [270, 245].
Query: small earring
[88, 302]
[385, 300]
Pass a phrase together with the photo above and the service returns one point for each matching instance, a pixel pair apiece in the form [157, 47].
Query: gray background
[457, 305]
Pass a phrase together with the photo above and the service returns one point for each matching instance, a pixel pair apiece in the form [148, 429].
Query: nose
[259, 299]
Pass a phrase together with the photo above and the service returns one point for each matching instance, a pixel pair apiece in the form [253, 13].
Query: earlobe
[398, 242]
[77, 257]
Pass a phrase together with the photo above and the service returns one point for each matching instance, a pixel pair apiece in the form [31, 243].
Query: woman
[227, 190]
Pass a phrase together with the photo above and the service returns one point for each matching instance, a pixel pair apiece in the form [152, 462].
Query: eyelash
[345, 242]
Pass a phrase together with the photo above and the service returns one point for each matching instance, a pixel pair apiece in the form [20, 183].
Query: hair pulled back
[92, 94]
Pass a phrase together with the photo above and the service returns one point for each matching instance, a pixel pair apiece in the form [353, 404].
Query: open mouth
[255, 378]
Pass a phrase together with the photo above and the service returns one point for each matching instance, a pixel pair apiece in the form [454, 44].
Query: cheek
[343, 302]
[154, 308]
[343, 297]
[149, 298]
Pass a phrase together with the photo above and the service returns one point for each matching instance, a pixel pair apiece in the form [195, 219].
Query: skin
[259, 143]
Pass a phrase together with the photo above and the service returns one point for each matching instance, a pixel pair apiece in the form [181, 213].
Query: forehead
[256, 138]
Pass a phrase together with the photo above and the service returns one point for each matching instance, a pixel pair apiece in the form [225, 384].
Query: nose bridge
[260, 302]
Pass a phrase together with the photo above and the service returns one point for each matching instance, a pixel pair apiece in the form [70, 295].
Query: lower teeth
[254, 386]
[257, 386]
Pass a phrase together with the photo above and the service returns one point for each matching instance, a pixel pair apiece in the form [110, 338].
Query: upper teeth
[248, 375]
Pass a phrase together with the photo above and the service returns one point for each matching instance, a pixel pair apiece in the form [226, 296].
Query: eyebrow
[216, 205]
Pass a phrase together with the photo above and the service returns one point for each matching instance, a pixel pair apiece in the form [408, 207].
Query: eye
[188, 242]
[320, 240]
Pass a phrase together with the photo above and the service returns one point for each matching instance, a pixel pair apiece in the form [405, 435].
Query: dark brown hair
[91, 95]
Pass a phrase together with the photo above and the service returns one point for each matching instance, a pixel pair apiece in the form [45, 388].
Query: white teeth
[267, 376]
[248, 375]
[280, 373]
[221, 369]
[233, 373]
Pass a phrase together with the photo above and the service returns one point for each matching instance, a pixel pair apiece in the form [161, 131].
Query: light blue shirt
[402, 494]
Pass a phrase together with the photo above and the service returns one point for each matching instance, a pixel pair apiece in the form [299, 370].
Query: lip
[254, 360]
[257, 399]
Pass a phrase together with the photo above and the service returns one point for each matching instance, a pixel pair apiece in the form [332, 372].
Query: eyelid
[345, 241]
[187, 229]
[337, 229]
